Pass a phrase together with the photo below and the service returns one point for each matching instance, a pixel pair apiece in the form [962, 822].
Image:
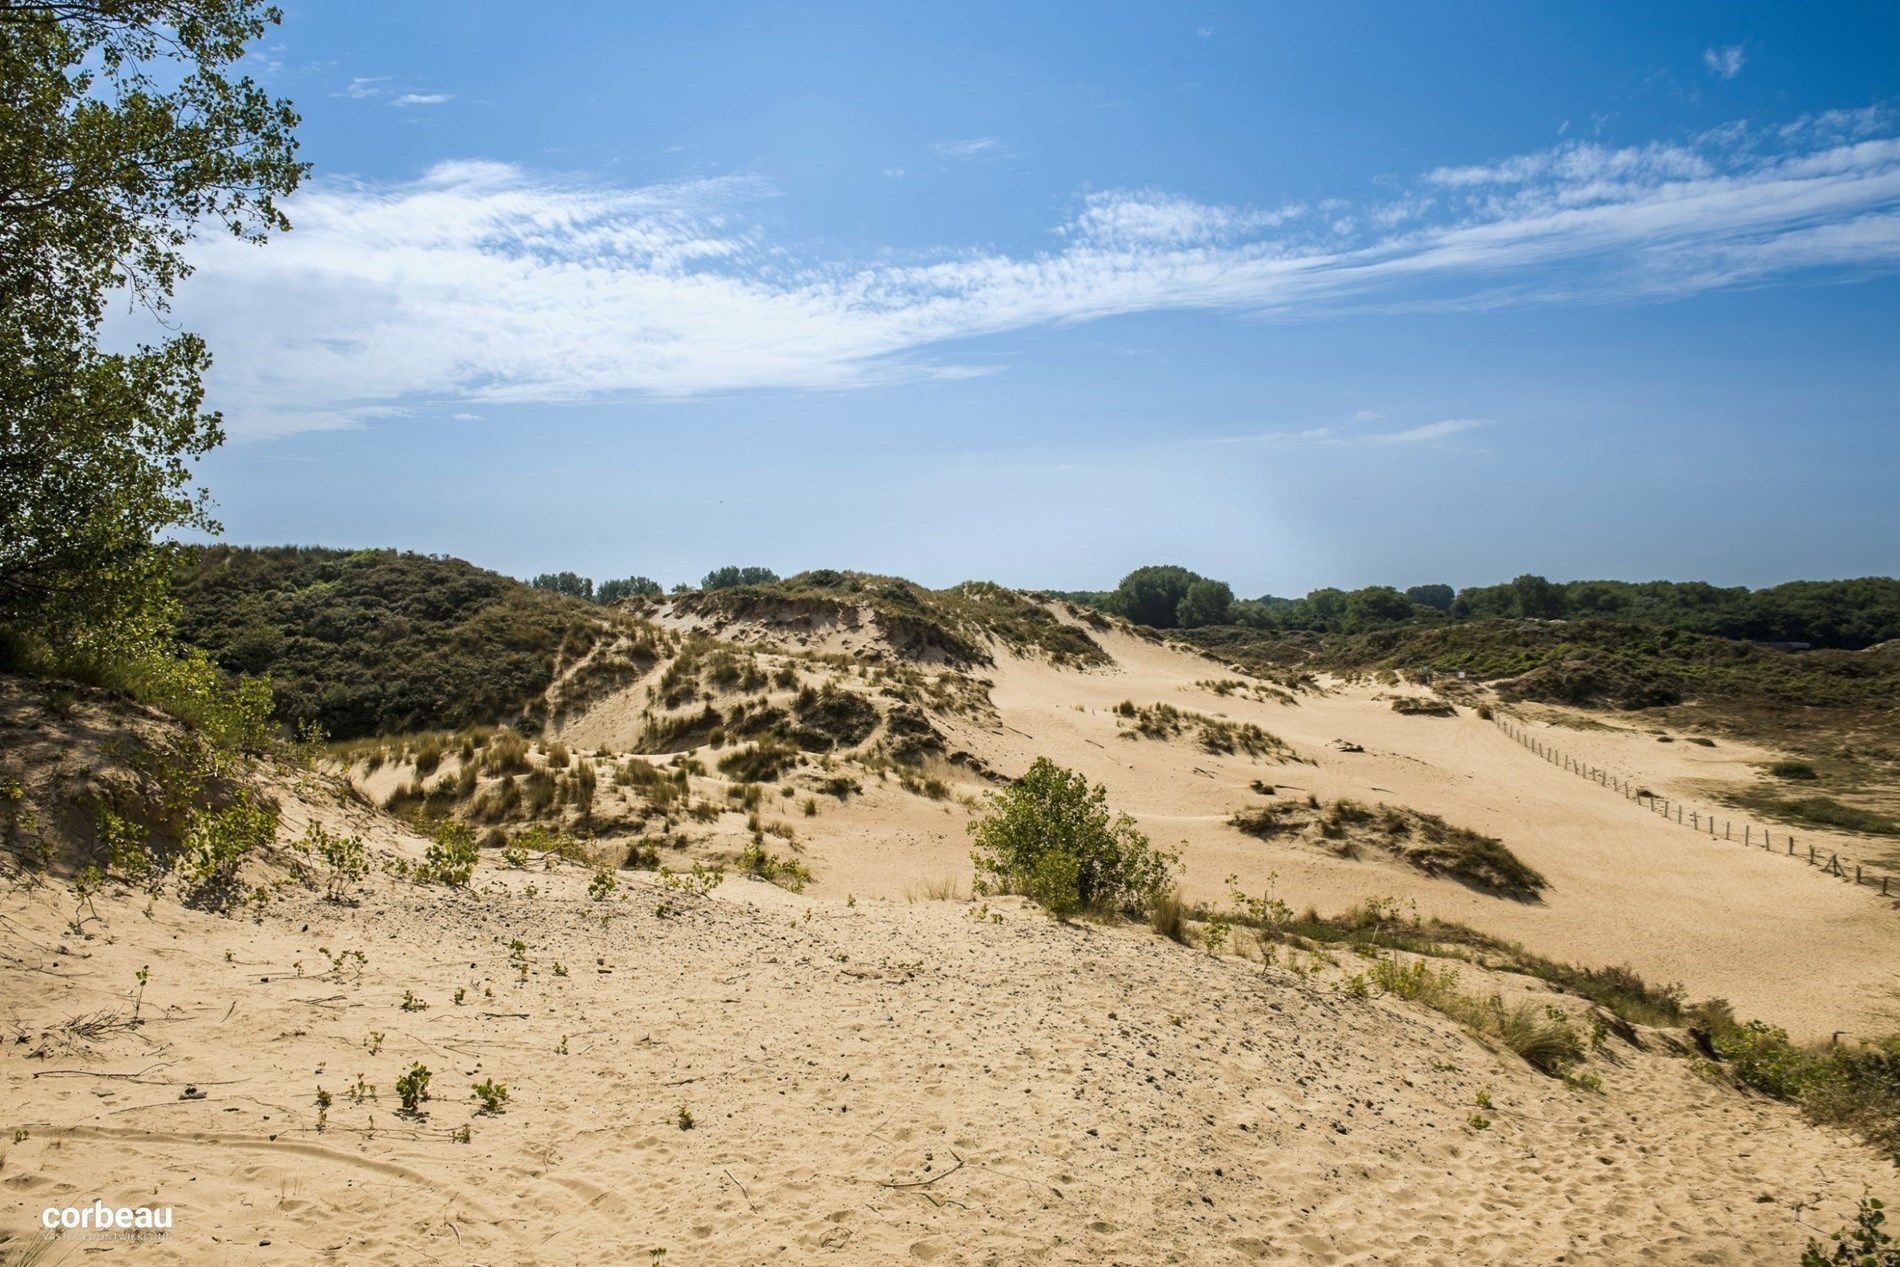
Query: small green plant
[412, 1088]
[344, 859]
[450, 858]
[1585, 1080]
[410, 1003]
[85, 885]
[493, 1096]
[518, 958]
[128, 849]
[1483, 1098]
[684, 1118]
[560, 969]
[1478, 1122]
[142, 976]
[1864, 1243]
[374, 1042]
[217, 844]
[460, 994]
[602, 886]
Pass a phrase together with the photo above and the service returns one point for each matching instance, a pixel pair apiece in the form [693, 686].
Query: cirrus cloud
[484, 282]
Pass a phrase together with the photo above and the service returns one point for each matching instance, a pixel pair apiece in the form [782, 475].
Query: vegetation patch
[1424, 841]
[1215, 735]
[1814, 811]
[1052, 838]
[372, 642]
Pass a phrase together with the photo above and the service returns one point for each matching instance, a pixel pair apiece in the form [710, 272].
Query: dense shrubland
[368, 642]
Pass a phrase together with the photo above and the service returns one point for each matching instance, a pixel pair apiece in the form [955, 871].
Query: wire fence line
[1751, 835]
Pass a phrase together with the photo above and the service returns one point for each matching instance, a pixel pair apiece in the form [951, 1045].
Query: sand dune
[857, 1073]
[875, 1082]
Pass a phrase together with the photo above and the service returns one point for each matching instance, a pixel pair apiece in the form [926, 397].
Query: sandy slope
[1781, 940]
[873, 1083]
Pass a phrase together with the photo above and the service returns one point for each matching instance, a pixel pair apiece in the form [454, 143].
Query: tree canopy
[123, 129]
[727, 577]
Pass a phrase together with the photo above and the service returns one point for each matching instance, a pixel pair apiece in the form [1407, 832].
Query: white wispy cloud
[969, 147]
[363, 87]
[423, 99]
[1726, 62]
[482, 282]
[1353, 432]
[1429, 431]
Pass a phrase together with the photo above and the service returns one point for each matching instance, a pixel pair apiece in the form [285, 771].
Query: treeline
[575, 585]
[1842, 614]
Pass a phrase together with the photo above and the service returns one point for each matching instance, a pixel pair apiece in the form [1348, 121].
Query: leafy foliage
[729, 576]
[450, 858]
[1051, 837]
[122, 129]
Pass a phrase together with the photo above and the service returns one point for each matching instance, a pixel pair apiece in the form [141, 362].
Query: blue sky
[1292, 294]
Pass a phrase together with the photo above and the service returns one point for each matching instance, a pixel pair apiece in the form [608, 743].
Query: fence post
[1747, 831]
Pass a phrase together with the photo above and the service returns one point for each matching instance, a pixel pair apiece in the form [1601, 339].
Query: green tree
[1377, 606]
[122, 129]
[727, 577]
[1205, 603]
[1152, 595]
[572, 584]
[614, 591]
[1535, 596]
[1436, 597]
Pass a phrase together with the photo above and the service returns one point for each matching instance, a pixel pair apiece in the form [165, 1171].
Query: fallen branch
[925, 1183]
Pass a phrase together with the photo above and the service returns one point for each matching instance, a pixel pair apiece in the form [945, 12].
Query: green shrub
[492, 1095]
[450, 858]
[217, 844]
[344, 859]
[1049, 825]
[1853, 1085]
[1792, 770]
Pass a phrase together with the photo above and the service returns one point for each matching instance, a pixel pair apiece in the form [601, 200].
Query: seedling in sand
[413, 1088]
[493, 1095]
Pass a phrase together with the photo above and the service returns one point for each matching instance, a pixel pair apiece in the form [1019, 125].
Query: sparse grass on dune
[1214, 735]
[1421, 840]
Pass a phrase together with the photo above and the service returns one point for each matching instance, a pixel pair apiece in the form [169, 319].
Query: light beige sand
[1779, 939]
[879, 1080]
[872, 1083]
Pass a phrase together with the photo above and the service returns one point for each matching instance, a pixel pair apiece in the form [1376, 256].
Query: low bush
[1052, 838]
[450, 858]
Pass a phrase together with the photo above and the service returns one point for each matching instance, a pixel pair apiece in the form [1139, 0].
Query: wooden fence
[1752, 835]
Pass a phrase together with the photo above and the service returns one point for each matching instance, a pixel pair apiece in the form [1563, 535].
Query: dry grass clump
[1215, 735]
[1422, 706]
[1543, 1035]
[1420, 840]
